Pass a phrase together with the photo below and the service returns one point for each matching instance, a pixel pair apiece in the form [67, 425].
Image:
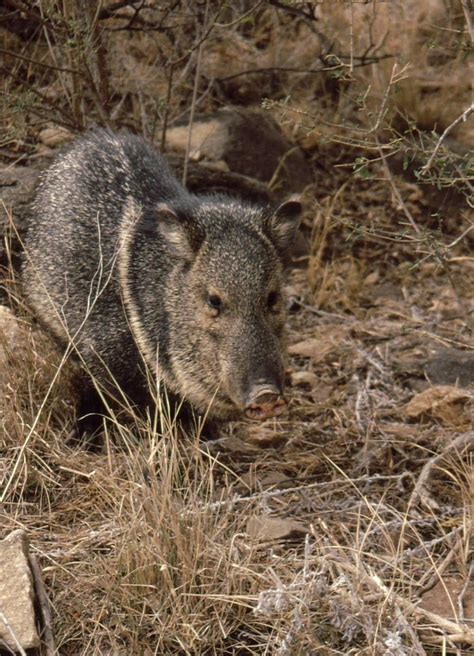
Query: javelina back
[141, 274]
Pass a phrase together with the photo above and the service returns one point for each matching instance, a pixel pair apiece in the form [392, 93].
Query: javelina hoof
[266, 404]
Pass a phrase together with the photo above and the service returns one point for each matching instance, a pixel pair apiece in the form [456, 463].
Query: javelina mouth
[265, 405]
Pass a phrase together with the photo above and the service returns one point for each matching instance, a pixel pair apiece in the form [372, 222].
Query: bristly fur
[122, 260]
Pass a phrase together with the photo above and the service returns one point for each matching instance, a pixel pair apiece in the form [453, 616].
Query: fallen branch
[420, 492]
[43, 602]
[454, 631]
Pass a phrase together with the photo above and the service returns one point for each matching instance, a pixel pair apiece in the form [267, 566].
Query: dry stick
[280, 165]
[280, 492]
[461, 595]
[167, 108]
[351, 37]
[460, 119]
[397, 193]
[419, 492]
[305, 71]
[43, 601]
[437, 576]
[67, 122]
[467, 15]
[193, 101]
[457, 632]
[241, 17]
[199, 43]
[13, 634]
[30, 60]
[395, 78]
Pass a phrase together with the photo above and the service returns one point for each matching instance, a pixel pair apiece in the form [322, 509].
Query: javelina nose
[265, 400]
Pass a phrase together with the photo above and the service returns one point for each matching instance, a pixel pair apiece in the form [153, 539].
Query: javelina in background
[141, 274]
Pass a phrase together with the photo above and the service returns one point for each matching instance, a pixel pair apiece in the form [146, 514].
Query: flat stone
[248, 142]
[9, 333]
[451, 367]
[17, 619]
[443, 599]
[265, 528]
[17, 184]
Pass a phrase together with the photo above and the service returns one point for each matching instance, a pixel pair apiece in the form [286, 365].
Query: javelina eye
[272, 301]
[215, 304]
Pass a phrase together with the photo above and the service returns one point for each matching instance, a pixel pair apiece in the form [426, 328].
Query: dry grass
[146, 545]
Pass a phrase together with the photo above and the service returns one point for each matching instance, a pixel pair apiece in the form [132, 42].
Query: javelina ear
[180, 235]
[282, 225]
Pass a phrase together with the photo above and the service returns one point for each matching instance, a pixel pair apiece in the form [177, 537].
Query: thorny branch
[460, 119]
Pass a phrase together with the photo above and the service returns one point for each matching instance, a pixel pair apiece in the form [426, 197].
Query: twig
[280, 166]
[461, 595]
[351, 37]
[460, 119]
[309, 71]
[467, 15]
[241, 17]
[279, 492]
[286, 6]
[193, 101]
[13, 634]
[419, 491]
[72, 126]
[43, 601]
[167, 108]
[456, 632]
[397, 193]
[435, 578]
[30, 60]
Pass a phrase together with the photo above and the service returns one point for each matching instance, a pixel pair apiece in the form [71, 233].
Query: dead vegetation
[346, 527]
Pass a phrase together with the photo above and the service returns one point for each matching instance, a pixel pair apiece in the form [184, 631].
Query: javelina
[141, 274]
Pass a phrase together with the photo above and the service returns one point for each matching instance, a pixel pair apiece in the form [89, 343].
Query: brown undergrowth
[345, 527]
[150, 541]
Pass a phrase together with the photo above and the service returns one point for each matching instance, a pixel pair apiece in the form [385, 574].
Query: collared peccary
[144, 277]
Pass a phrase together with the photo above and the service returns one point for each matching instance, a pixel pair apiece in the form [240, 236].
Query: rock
[443, 599]
[16, 594]
[209, 179]
[17, 184]
[14, 345]
[248, 142]
[451, 367]
[55, 135]
[304, 379]
[443, 402]
[9, 333]
[269, 529]
[265, 436]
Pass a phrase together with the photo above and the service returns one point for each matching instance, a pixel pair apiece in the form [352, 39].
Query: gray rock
[248, 142]
[451, 367]
[17, 185]
[17, 618]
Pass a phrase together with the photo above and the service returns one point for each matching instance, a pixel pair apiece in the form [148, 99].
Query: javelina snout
[265, 401]
[256, 378]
